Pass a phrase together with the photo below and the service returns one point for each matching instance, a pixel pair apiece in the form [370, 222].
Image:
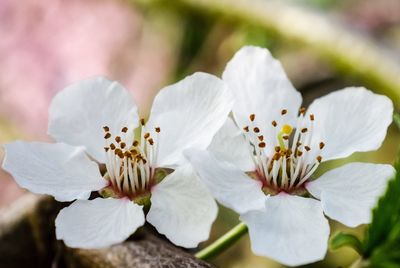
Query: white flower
[264, 169]
[96, 120]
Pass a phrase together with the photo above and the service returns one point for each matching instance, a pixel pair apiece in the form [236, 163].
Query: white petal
[229, 144]
[79, 112]
[227, 183]
[60, 170]
[98, 223]
[182, 208]
[261, 87]
[349, 193]
[189, 114]
[291, 230]
[350, 120]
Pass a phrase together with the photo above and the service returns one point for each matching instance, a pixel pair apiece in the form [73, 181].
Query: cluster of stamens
[129, 164]
[289, 165]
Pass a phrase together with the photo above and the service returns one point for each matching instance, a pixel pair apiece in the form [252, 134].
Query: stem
[223, 242]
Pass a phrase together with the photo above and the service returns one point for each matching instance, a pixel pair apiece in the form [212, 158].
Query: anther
[312, 117]
[107, 136]
[302, 110]
[151, 141]
[298, 144]
[135, 143]
[261, 138]
[118, 151]
[122, 145]
[142, 121]
[118, 139]
[158, 129]
[321, 145]
[307, 148]
[262, 145]
[112, 146]
[252, 117]
[124, 129]
[274, 123]
[299, 153]
[146, 135]
[106, 129]
[283, 112]
[277, 149]
[120, 154]
[256, 130]
[319, 159]
[304, 130]
[246, 128]
[285, 137]
[106, 149]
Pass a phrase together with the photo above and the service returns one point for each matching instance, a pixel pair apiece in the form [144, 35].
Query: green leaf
[341, 239]
[382, 239]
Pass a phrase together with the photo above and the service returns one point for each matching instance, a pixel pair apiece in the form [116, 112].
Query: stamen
[256, 130]
[142, 122]
[274, 123]
[262, 145]
[158, 129]
[252, 117]
[321, 145]
[118, 139]
[124, 130]
[246, 128]
[283, 112]
[107, 135]
[106, 128]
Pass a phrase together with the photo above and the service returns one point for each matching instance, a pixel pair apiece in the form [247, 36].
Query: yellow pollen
[287, 129]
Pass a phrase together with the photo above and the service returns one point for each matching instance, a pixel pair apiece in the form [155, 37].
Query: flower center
[292, 161]
[129, 162]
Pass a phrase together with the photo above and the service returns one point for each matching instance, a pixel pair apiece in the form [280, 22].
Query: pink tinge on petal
[48, 45]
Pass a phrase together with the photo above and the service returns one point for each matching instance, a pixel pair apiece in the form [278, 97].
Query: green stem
[223, 242]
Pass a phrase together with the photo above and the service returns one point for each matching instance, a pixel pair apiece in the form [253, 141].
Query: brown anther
[256, 130]
[158, 129]
[134, 152]
[107, 136]
[124, 129]
[289, 152]
[106, 129]
[302, 110]
[277, 148]
[261, 138]
[307, 148]
[112, 146]
[321, 145]
[312, 118]
[277, 156]
[122, 145]
[151, 141]
[120, 154]
[118, 151]
[246, 128]
[118, 139]
[144, 161]
[262, 145]
[319, 159]
[299, 153]
[106, 149]
[304, 130]
[135, 143]
[146, 135]
[142, 121]
[127, 154]
[252, 117]
[285, 137]
[274, 123]
[283, 112]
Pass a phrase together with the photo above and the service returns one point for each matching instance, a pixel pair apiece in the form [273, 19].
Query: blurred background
[324, 45]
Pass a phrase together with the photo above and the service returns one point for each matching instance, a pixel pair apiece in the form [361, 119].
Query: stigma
[129, 163]
[290, 161]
